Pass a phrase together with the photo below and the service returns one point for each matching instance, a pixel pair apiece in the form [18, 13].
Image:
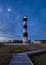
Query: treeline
[17, 41]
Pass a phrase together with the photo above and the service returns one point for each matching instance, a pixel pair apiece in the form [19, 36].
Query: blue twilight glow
[11, 18]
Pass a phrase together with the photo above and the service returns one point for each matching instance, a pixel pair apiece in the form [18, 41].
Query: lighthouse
[25, 34]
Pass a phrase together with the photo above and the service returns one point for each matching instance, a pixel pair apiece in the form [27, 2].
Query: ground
[39, 59]
[6, 51]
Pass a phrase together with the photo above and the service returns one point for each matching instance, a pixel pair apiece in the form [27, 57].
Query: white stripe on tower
[25, 34]
[24, 30]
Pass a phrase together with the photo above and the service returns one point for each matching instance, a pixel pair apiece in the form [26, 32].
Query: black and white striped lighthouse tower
[25, 34]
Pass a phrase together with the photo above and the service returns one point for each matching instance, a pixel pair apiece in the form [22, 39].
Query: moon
[9, 9]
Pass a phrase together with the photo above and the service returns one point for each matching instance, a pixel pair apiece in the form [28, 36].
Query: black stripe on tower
[25, 26]
[25, 19]
[25, 34]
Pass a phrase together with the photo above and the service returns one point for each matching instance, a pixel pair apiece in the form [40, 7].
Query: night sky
[11, 19]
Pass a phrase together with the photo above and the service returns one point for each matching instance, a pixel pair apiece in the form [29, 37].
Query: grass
[2, 45]
[39, 59]
[7, 51]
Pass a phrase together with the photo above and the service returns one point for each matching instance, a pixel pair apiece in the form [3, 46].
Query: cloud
[9, 24]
